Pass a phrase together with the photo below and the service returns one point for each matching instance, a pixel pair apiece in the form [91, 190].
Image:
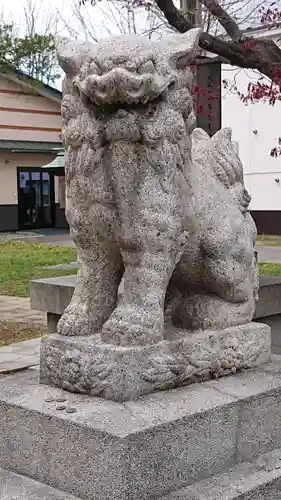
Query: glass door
[35, 199]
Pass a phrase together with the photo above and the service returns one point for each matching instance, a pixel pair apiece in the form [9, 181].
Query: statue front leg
[151, 242]
[101, 269]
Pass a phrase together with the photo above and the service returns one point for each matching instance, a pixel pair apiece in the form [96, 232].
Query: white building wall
[256, 127]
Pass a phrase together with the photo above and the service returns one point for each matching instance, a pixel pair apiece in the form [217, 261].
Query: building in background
[256, 128]
[30, 127]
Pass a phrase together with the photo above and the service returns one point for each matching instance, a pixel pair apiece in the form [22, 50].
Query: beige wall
[26, 116]
[8, 173]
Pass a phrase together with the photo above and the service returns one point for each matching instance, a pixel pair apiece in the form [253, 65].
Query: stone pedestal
[95, 449]
[87, 365]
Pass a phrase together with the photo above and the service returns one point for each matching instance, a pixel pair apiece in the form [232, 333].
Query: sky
[63, 17]
[97, 22]
[102, 20]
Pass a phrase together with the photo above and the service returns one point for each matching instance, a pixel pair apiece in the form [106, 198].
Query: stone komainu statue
[150, 200]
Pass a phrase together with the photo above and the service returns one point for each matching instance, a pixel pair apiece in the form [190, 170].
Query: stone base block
[96, 449]
[256, 480]
[17, 487]
[87, 365]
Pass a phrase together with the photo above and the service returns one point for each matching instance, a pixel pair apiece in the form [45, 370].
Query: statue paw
[133, 326]
[75, 321]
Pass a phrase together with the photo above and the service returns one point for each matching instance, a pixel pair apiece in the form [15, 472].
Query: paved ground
[62, 240]
[58, 237]
[17, 309]
[265, 253]
[269, 254]
[61, 237]
[19, 355]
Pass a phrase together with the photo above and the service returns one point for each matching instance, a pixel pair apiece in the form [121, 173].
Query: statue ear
[71, 54]
[222, 134]
[199, 135]
[181, 48]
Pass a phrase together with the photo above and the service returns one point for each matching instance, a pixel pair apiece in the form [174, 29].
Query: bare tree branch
[174, 16]
[225, 20]
[208, 60]
[261, 54]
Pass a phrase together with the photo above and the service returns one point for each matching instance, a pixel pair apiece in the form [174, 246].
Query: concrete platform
[257, 480]
[142, 449]
[17, 487]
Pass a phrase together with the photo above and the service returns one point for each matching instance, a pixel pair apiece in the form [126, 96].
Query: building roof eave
[35, 147]
[28, 82]
[57, 163]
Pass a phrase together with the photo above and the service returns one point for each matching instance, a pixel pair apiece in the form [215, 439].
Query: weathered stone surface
[52, 295]
[88, 365]
[141, 449]
[149, 199]
[106, 448]
[257, 480]
[17, 487]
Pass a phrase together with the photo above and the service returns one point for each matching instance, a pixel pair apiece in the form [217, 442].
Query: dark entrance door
[36, 204]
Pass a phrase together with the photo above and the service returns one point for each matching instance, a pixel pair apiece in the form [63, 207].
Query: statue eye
[146, 67]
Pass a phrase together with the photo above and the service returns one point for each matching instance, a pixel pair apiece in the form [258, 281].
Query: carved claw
[130, 326]
[76, 320]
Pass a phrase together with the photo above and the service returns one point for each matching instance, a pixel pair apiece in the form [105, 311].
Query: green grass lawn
[21, 262]
[268, 268]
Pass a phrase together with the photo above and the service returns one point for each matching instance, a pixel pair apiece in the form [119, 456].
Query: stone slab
[105, 446]
[140, 449]
[268, 408]
[257, 480]
[17, 487]
[87, 365]
[54, 294]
